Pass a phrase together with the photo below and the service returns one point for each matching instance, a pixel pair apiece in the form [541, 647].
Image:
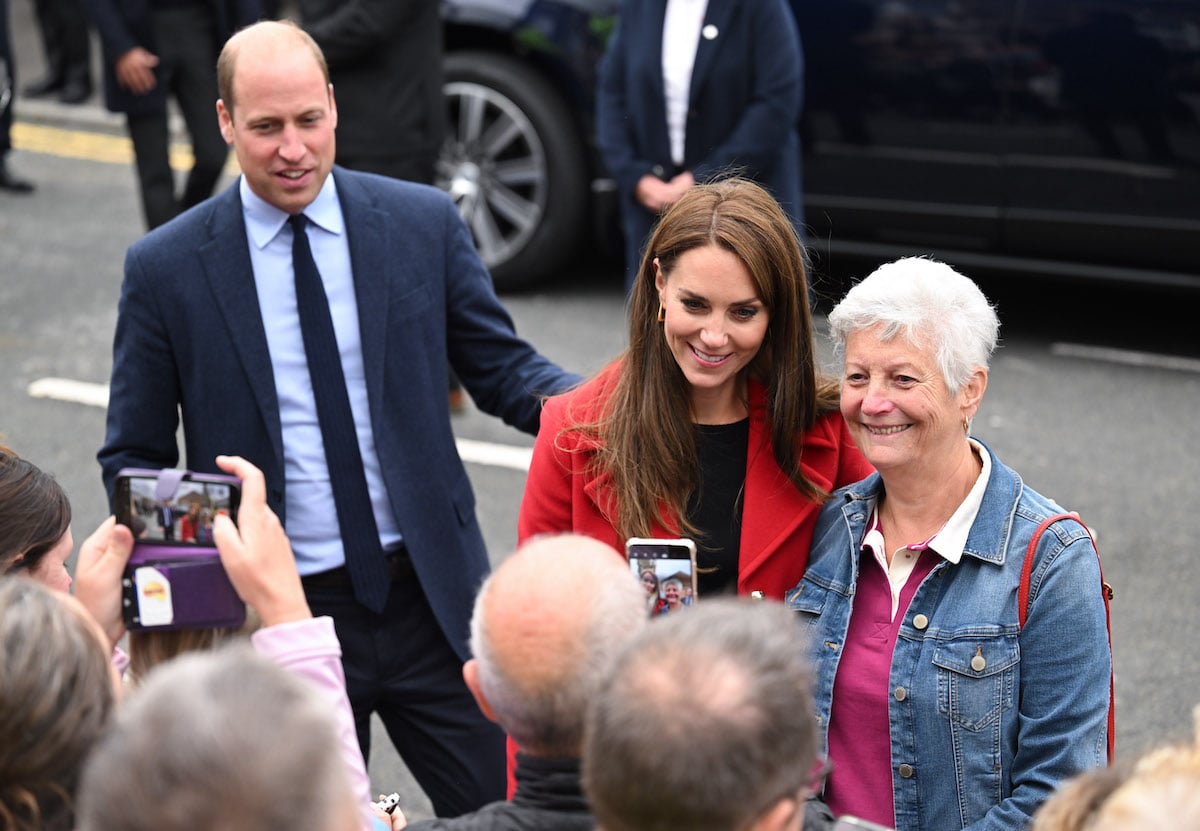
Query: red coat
[777, 521]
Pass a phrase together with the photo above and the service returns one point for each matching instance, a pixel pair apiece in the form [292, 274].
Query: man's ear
[225, 122]
[471, 676]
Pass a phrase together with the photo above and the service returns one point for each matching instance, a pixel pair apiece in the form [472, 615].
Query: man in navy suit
[209, 327]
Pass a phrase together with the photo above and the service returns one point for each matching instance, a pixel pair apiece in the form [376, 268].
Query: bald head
[547, 624]
[264, 41]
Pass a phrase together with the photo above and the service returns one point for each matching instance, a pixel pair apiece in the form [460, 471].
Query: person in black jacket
[547, 625]
[159, 48]
[385, 61]
[8, 86]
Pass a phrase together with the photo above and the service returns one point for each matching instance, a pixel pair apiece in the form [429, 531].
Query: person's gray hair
[546, 715]
[704, 723]
[56, 700]
[218, 741]
[930, 304]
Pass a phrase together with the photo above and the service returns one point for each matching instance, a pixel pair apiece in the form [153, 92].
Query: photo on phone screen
[667, 571]
[186, 518]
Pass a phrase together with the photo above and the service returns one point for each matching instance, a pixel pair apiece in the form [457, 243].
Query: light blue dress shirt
[311, 516]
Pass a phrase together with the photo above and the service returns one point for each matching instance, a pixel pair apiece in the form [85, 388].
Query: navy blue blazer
[190, 339]
[744, 103]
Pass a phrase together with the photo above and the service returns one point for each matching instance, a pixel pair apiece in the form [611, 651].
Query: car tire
[514, 164]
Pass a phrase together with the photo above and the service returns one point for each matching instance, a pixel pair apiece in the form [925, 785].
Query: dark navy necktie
[356, 521]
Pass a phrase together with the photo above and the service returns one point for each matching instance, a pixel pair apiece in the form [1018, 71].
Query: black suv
[1051, 137]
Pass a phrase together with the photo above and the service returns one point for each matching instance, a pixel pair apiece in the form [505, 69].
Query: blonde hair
[1160, 790]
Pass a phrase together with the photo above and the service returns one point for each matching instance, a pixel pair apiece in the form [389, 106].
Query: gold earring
[662, 313]
[966, 425]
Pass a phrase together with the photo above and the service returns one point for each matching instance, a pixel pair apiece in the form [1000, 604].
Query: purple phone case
[199, 591]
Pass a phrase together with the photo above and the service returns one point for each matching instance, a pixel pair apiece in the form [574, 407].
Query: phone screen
[186, 518]
[667, 571]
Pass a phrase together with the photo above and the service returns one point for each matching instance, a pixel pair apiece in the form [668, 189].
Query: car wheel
[514, 164]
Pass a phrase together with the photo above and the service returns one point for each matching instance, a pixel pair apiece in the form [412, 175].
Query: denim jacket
[976, 744]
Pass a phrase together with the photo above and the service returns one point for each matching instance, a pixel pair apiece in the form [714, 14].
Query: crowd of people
[879, 627]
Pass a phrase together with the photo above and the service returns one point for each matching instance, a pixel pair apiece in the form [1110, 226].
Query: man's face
[282, 125]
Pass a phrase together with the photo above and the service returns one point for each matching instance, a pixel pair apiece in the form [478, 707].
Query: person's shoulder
[180, 237]
[358, 184]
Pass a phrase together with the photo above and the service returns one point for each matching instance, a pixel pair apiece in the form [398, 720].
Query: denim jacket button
[900, 693]
[906, 771]
[920, 621]
[979, 663]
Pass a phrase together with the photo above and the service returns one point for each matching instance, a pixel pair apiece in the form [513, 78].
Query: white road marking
[96, 395]
[1125, 357]
[65, 389]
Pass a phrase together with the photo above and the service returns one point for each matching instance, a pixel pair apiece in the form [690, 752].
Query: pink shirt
[859, 735]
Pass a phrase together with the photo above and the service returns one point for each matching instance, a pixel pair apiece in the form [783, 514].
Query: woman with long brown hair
[715, 423]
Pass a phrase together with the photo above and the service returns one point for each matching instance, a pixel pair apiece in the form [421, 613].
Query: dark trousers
[400, 665]
[187, 45]
[8, 82]
[66, 39]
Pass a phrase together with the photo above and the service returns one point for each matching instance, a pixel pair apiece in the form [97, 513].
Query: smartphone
[174, 579]
[667, 570]
[848, 823]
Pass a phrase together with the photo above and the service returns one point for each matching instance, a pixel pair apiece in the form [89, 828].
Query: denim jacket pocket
[976, 677]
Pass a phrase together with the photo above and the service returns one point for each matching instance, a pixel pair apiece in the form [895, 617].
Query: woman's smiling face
[714, 325]
[896, 403]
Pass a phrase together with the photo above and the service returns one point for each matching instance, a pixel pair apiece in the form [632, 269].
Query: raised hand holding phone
[256, 552]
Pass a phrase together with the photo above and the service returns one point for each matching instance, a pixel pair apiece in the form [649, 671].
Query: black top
[716, 505]
[549, 797]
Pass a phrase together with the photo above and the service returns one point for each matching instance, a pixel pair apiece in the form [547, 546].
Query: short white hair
[932, 305]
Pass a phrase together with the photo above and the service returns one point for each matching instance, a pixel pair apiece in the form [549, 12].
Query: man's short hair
[704, 723]
[227, 59]
[220, 741]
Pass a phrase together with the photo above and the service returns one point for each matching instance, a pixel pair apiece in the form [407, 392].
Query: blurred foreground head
[547, 625]
[56, 697]
[220, 741]
[705, 724]
[1161, 790]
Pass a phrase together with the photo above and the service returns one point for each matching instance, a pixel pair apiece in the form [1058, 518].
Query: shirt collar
[264, 220]
[950, 540]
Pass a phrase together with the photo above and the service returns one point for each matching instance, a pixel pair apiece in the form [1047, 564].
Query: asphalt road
[1092, 399]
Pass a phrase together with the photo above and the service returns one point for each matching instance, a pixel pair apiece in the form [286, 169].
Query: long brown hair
[644, 438]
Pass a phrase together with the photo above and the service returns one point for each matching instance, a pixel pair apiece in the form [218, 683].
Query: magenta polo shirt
[859, 737]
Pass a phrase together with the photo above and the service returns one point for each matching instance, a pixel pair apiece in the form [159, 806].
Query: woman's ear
[972, 392]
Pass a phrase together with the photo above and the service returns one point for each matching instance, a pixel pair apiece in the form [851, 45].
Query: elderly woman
[938, 708]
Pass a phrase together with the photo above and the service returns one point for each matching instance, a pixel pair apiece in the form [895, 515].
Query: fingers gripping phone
[667, 571]
[174, 579]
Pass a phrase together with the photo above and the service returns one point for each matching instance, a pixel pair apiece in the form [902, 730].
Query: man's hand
[135, 70]
[98, 570]
[656, 196]
[256, 553]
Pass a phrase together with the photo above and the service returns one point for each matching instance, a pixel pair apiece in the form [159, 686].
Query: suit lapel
[717, 19]
[655, 12]
[369, 235]
[225, 258]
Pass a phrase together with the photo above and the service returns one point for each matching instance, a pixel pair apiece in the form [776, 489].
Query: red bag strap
[1105, 591]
